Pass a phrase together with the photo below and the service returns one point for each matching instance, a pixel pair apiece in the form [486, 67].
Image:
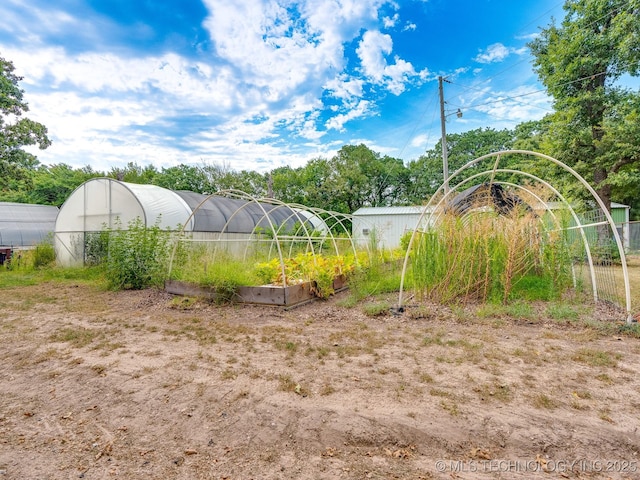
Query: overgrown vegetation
[320, 270]
[136, 257]
[44, 254]
[226, 264]
[489, 258]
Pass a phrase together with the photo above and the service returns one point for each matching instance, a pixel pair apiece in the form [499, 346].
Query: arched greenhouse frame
[579, 218]
[291, 244]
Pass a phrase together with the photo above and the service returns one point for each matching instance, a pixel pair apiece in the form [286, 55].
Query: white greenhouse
[107, 203]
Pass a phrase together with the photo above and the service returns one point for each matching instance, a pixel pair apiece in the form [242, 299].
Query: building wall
[389, 224]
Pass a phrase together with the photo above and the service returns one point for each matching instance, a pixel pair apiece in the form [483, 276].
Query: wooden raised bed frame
[263, 294]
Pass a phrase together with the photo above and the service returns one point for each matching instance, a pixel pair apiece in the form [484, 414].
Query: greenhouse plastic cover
[23, 224]
[234, 215]
[99, 202]
[103, 202]
[108, 203]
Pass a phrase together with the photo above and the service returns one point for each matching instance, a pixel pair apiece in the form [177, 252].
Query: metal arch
[251, 199]
[553, 215]
[612, 225]
[437, 210]
[327, 233]
[575, 217]
[561, 197]
[337, 216]
[575, 174]
[280, 204]
[237, 194]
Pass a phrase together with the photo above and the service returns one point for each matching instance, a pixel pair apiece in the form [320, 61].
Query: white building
[386, 224]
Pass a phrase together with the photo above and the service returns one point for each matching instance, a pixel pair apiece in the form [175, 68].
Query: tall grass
[489, 258]
[37, 265]
[202, 264]
[377, 271]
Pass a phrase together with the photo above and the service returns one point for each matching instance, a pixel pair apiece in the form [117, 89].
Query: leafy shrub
[137, 256]
[96, 246]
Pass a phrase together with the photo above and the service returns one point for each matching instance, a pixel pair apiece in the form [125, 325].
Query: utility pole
[445, 159]
[270, 186]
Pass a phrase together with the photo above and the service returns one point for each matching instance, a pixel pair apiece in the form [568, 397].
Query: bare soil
[100, 385]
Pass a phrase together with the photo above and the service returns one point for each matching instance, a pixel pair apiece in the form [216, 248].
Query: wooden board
[263, 294]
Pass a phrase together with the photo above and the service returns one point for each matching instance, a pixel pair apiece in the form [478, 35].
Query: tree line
[594, 128]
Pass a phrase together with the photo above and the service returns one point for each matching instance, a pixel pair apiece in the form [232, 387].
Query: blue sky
[258, 84]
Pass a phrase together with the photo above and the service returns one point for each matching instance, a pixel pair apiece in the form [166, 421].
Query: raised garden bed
[262, 294]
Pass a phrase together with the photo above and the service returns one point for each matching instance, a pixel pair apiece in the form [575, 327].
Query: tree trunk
[603, 190]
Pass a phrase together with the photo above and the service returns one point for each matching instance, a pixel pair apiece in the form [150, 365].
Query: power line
[513, 97]
[614, 10]
[415, 128]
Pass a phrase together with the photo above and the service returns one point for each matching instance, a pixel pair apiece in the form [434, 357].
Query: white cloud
[274, 60]
[494, 53]
[518, 105]
[372, 50]
[337, 123]
[345, 88]
[497, 52]
[419, 140]
[390, 22]
[52, 20]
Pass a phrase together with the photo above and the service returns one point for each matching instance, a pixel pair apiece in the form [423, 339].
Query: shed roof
[406, 210]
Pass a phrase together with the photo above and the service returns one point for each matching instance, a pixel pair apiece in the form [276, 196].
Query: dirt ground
[101, 385]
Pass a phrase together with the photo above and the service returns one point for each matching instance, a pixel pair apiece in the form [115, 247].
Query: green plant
[96, 246]
[520, 310]
[376, 309]
[319, 270]
[543, 401]
[137, 256]
[488, 257]
[44, 254]
[76, 336]
[562, 311]
[595, 358]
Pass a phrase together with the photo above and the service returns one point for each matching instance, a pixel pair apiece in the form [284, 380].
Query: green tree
[134, 173]
[183, 177]
[362, 177]
[52, 185]
[223, 177]
[318, 179]
[16, 132]
[425, 173]
[250, 182]
[289, 184]
[580, 63]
